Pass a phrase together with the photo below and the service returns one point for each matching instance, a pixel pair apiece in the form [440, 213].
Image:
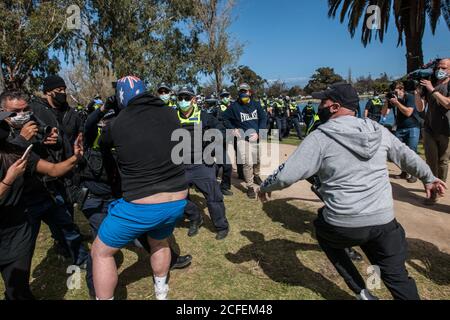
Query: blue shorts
[128, 221]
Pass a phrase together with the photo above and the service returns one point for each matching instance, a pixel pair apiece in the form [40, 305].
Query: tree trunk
[414, 28]
[218, 76]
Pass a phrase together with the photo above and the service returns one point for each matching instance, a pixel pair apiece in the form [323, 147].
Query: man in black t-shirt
[407, 119]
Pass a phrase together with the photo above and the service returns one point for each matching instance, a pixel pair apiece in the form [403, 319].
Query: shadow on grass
[405, 195]
[278, 260]
[435, 263]
[290, 216]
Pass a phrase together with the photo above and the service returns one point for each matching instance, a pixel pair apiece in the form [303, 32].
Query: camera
[391, 95]
[413, 79]
[43, 130]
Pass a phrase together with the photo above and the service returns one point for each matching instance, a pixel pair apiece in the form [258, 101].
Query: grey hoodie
[350, 157]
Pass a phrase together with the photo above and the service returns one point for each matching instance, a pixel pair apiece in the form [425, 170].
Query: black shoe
[251, 193]
[194, 228]
[258, 181]
[227, 192]
[222, 234]
[352, 254]
[402, 176]
[411, 179]
[182, 262]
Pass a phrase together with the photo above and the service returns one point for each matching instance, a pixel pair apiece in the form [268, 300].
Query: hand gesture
[29, 130]
[78, 148]
[15, 171]
[52, 138]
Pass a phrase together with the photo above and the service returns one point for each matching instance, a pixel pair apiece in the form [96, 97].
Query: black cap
[53, 82]
[342, 93]
[187, 91]
[164, 86]
[4, 115]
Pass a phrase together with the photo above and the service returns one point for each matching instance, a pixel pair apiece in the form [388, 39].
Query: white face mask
[21, 119]
[441, 74]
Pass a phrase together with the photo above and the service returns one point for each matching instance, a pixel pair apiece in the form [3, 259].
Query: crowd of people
[113, 160]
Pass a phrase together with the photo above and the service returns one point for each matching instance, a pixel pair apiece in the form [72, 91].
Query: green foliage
[367, 84]
[244, 74]
[31, 30]
[323, 78]
[410, 19]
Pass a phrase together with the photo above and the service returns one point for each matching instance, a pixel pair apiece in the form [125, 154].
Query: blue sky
[289, 39]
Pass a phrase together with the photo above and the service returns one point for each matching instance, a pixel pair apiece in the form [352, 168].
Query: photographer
[436, 96]
[407, 119]
[42, 204]
[17, 240]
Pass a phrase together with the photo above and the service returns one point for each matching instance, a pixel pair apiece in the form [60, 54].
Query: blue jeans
[409, 136]
[55, 214]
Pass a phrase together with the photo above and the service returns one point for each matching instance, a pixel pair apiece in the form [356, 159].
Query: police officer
[225, 100]
[165, 94]
[281, 115]
[199, 174]
[294, 118]
[374, 108]
[310, 117]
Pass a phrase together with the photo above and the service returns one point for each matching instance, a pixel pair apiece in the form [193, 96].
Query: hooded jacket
[350, 157]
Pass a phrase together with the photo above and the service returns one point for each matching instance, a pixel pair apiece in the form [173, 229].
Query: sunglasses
[163, 92]
[184, 98]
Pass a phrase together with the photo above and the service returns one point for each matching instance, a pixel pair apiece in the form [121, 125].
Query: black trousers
[204, 179]
[227, 169]
[16, 276]
[385, 246]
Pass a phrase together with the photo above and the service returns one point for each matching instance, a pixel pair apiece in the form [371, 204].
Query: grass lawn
[271, 253]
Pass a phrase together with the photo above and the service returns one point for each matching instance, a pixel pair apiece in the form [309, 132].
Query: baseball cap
[244, 86]
[342, 93]
[187, 91]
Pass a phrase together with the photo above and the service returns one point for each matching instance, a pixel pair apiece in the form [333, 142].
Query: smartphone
[27, 152]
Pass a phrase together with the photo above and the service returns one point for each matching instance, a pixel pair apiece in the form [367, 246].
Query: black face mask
[60, 99]
[324, 114]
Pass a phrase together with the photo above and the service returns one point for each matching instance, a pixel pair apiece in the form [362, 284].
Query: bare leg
[160, 257]
[104, 270]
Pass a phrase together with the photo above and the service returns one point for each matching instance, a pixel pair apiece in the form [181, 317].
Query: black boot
[182, 262]
[195, 227]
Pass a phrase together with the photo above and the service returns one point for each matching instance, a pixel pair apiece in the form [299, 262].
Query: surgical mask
[226, 101]
[165, 98]
[441, 74]
[184, 105]
[60, 99]
[21, 119]
[324, 114]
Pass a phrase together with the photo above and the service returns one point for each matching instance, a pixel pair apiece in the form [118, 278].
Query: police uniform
[281, 115]
[202, 176]
[309, 116]
[294, 119]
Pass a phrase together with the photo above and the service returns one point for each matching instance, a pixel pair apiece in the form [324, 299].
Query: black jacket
[68, 123]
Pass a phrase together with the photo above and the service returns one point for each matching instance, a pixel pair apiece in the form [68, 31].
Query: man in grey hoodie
[349, 156]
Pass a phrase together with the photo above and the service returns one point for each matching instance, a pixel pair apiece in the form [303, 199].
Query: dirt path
[430, 224]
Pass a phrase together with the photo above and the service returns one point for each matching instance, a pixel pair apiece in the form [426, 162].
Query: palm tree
[410, 19]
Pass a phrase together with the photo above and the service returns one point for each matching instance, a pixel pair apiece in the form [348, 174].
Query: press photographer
[434, 98]
[407, 118]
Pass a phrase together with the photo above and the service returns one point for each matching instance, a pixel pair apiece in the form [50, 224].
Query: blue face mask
[184, 105]
[441, 74]
[165, 98]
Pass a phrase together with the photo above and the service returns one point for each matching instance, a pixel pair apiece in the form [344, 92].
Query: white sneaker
[162, 292]
[366, 295]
